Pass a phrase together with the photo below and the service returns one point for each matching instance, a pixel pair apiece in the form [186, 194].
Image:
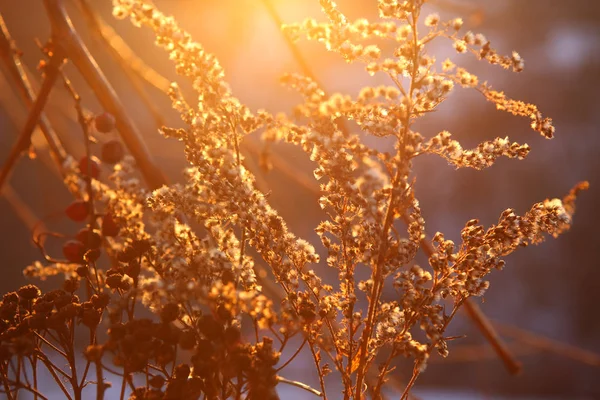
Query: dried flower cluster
[194, 253]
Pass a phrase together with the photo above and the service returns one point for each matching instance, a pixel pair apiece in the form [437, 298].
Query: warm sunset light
[294, 199]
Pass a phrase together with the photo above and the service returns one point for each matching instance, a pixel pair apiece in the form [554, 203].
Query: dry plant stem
[300, 385]
[416, 370]
[10, 56]
[388, 220]
[51, 368]
[377, 274]
[480, 320]
[81, 119]
[410, 384]
[5, 382]
[68, 346]
[100, 385]
[293, 356]
[33, 363]
[304, 66]
[34, 391]
[546, 344]
[319, 372]
[513, 366]
[24, 140]
[64, 32]
[124, 54]
[133, 67]
[22, 210]
[384, 372]
[92, 223]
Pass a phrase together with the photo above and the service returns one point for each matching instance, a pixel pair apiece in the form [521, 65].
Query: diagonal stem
[64, 32]
[11, 58]
[135, 69]
[24, 140]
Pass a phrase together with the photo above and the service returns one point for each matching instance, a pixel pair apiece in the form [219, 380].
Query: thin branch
[410, 384]
[550, 345]
[479, 319]
[52, 71]
[10, 55]
[100, 385]
[80, 56]
[300, 385]
[292, 357]
[29, 388]
[304, 66]
[51, 368]
[133, 66]
[125, 56]
[487, 329]
[21, 209]
[5, 382]
[316, 359]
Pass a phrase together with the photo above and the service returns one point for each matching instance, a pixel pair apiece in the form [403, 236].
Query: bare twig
[11, 58]
[304, 66]
[52, 71]
[22, 210]
[100, 385]
[29, 388]
[546, 344]
[124, 54]
[135, 69]
[300, 385]
[485, 326]
[63, 30]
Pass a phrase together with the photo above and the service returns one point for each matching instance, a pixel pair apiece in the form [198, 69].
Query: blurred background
[550, 291]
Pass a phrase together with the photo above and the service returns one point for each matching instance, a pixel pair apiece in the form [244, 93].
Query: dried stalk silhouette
[66, 45]
[474, 312]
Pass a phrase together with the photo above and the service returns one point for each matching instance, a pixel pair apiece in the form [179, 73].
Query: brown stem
[22, 210]
[4, 373]
[377, 277]
[33, 362]
[126, 57]
[292, 357]
[100, 385]
[33, 390]
[50, 367]
[24, 139]
[410, 384]
[135, 69]
[487, 329]
[304, 66]
[549, 345]
[11, 57]
[319, 372]
[65, 34]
